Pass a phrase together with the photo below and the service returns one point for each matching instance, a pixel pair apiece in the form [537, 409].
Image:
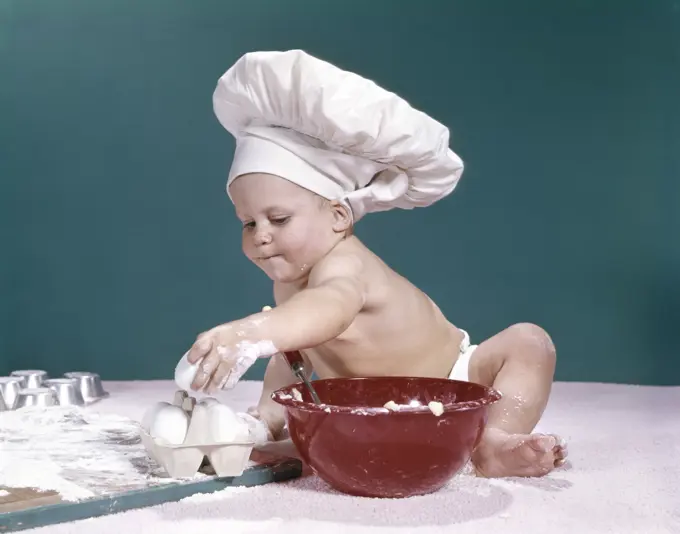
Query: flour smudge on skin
[245, 353]
[242, 357]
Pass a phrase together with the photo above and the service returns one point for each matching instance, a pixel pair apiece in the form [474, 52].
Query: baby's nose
[263, 238]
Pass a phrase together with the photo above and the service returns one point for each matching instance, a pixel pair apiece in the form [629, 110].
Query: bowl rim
[283, 397]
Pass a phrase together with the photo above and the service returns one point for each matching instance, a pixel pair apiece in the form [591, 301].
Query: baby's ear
[342, 217]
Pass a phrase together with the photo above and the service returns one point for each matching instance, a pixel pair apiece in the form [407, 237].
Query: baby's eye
[280, 220]
[248, 225]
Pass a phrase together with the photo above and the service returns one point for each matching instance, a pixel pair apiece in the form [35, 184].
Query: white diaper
[460, 369]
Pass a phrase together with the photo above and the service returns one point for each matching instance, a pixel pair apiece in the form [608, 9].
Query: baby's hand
[258, 431]
[225, 354]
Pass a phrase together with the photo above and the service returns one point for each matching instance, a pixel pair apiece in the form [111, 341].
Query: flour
[393, 406]
[361, 411]
[73, 451]
[4, 493]
[256, 321]
[243, 357]
[437, 408]
[520, 402]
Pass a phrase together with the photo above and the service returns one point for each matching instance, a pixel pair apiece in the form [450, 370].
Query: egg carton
[184, 460]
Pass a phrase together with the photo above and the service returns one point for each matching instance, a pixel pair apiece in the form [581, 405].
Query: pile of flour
[74, 451]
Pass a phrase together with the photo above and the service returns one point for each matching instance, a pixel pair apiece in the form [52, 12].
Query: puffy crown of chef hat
[333, 132]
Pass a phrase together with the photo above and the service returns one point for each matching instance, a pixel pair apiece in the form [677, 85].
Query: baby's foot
[518, 455]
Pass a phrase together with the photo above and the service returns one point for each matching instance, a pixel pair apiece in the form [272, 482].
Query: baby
[317, 149]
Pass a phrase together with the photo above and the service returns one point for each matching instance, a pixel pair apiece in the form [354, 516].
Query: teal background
[119, 245]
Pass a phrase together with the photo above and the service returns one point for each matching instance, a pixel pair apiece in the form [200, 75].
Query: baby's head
[286, 229]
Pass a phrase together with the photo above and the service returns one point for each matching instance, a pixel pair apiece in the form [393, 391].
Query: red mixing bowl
[361, 448]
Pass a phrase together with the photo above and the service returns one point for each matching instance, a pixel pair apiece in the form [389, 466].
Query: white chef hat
[333, 132]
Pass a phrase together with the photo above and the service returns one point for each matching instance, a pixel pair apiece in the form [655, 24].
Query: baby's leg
[520, 363]
[277, 375]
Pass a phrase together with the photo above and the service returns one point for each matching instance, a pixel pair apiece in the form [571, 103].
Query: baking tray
[24, 509]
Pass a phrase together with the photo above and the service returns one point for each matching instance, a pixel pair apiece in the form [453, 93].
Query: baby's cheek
[298, 238]
[304, 246]
[247, 248]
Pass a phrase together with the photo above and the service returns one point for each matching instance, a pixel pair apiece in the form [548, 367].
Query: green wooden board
[40, 516]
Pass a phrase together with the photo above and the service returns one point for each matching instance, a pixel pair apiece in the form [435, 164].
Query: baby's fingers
[227, 360]
[205, 370]
[200, 348]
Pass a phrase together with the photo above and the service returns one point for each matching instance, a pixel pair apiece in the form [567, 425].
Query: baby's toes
[546, 452]
[541, 444]
[560, 451]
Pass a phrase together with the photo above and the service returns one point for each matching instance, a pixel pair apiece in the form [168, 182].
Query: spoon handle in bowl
[297, 365]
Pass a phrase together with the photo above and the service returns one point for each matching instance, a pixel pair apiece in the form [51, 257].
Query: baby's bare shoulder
[341, 262]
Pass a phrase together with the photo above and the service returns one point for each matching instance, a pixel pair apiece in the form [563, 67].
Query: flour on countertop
[4, 493]
[74, 451]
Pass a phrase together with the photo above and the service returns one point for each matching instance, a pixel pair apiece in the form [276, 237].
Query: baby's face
[286, 228]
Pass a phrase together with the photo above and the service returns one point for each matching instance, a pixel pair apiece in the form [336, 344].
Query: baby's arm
[335, 294]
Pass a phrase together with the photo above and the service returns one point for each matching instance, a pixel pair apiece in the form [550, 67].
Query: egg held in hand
[185, 372]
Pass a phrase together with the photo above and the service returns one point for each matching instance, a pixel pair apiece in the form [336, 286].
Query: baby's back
[400, 331]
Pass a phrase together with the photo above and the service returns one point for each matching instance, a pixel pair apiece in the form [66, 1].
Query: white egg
[213, 422]
[170, 424]
[185, 373]
[225, 425]
[209, 401]
[150, 415]
[199, 425]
